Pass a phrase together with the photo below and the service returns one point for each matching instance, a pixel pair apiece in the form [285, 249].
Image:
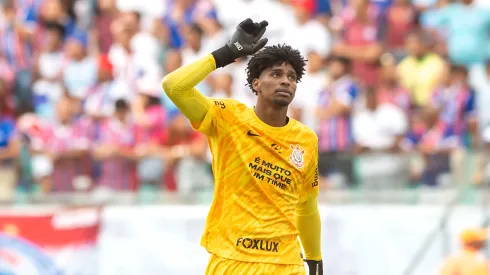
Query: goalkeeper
[264, 163]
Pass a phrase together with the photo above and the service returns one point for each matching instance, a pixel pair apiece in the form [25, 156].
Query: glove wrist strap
[223, 56]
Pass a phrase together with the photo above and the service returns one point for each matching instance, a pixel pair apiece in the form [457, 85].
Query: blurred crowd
[82, 107]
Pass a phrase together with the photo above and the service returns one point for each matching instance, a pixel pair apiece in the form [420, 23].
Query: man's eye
[275, 74]
[292, 77]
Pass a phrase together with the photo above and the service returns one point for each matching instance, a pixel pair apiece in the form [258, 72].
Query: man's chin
[281, 102]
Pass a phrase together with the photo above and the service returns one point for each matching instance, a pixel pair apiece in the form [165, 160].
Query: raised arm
[179, 85]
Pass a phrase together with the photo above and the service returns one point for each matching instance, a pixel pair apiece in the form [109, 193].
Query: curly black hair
[271, 56]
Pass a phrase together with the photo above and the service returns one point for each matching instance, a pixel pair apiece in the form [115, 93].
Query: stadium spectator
[314, 36]
[9, 149]
[182, 12]
[121, 57]
[470, 261]
[105, 13]
[100, 99]
[361, 40]
[151, 126]
[185, 150]
[57, 11]
[193, 46]
[389, 89]
[6, 74]
[66, 146]
[455, 103]
[144, 46]
[436, 142]
[401, 19]
[214, 33]
[334, 115]
[80, 71]
[378, 131]
[7, 77]
[114, 150]
[48, 85]
[17, 49]
[421, 71]
[223, 85]
[465, 25]
[480, 80]
[306, 99]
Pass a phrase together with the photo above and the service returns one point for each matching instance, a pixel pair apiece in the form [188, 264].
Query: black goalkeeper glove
[315, 267]
[245, 41]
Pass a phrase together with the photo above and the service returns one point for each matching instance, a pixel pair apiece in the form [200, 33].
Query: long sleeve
[309, 226]
[179, 86]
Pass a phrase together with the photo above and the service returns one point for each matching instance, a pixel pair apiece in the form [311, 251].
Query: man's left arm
[308, 218]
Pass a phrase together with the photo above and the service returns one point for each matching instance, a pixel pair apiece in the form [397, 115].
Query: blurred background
[101, 174]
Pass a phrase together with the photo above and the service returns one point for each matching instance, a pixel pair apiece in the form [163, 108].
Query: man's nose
[285, 81]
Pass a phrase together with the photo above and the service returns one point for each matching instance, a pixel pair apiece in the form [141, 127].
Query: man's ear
[256, 85]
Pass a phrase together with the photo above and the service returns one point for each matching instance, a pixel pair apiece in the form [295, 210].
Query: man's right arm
[180, 88]
[179, 85]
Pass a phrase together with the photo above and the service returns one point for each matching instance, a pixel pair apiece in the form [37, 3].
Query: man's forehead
[282, 67]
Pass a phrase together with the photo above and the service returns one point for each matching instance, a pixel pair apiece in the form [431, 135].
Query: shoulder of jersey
[232, 105]
[305, 129]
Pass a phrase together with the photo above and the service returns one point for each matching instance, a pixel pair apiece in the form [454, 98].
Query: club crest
[296, 156]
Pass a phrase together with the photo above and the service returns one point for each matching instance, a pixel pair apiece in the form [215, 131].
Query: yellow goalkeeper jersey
[261, 173]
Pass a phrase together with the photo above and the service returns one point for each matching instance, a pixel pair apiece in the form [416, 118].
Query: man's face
[277, 85]
[336, 69]
[301, 14]
[121, 114]
[104, 75]
[64, 109]
[8, 14]
[388, 75]
[315, 62]
[458, 77]
[53, 40]
[74, 49]
[106, 4]
[192, 37]
[52, 9]
[414, 46]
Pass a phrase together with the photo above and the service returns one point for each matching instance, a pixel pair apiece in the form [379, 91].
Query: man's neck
[275, 117]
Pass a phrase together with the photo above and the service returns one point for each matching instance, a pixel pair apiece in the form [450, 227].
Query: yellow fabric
[261, 173]
[467, 263]
[309, 224]
[222, 266]
[474, 235]
[421, 77]
[179, 87]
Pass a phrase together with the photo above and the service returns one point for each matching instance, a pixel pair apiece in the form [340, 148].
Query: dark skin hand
[276, 88]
